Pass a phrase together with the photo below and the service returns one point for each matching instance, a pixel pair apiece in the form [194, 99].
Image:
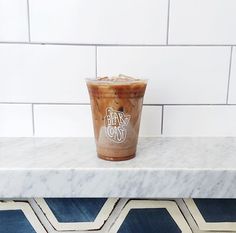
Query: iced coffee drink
[116, 104]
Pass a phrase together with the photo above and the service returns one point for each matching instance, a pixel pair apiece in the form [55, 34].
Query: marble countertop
[163, 168]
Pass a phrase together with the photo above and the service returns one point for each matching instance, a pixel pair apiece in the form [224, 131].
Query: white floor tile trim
[97, 224]
[170, 206]
[206, 226]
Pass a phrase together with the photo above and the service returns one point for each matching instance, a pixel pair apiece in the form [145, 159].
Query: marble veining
[164, 168]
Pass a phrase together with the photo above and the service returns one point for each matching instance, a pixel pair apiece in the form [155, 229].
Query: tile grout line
[28, 12]
[51, 103]
[161, 104]
[168, 23]
[118, 45]
[33, 122]
[162, 119]
[229, 74]
[96, 61]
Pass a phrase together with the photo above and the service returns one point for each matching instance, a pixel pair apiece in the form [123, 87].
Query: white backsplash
[185, 48]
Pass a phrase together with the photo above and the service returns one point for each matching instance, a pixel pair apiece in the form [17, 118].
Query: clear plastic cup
[116, 110]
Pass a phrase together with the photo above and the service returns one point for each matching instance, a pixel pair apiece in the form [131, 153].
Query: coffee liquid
[116, 109]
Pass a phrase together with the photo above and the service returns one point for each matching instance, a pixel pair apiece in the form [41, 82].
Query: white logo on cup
[116, 123]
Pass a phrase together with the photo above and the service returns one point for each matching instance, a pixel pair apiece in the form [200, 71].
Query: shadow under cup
[116, 110]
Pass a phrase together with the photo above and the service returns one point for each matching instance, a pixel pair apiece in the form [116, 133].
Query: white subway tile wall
[63, 120]
[176, 75]
[76, 121]
[45, 73]
[232, 89]
[199, 120]
[151, 121]
[185, 48]
[99, 22]
[13, 21]
[16, 120]
[202, 22]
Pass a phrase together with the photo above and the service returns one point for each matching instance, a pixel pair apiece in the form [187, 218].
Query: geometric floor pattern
[14, 220]
[112, 215]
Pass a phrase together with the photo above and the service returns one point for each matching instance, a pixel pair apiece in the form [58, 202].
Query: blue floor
[14, 221]
[142, 220]
[149, 221]
[75, 209]
[217, 210]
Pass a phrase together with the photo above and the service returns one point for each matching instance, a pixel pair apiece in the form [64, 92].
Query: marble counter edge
[126, 183]
[163, 168]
